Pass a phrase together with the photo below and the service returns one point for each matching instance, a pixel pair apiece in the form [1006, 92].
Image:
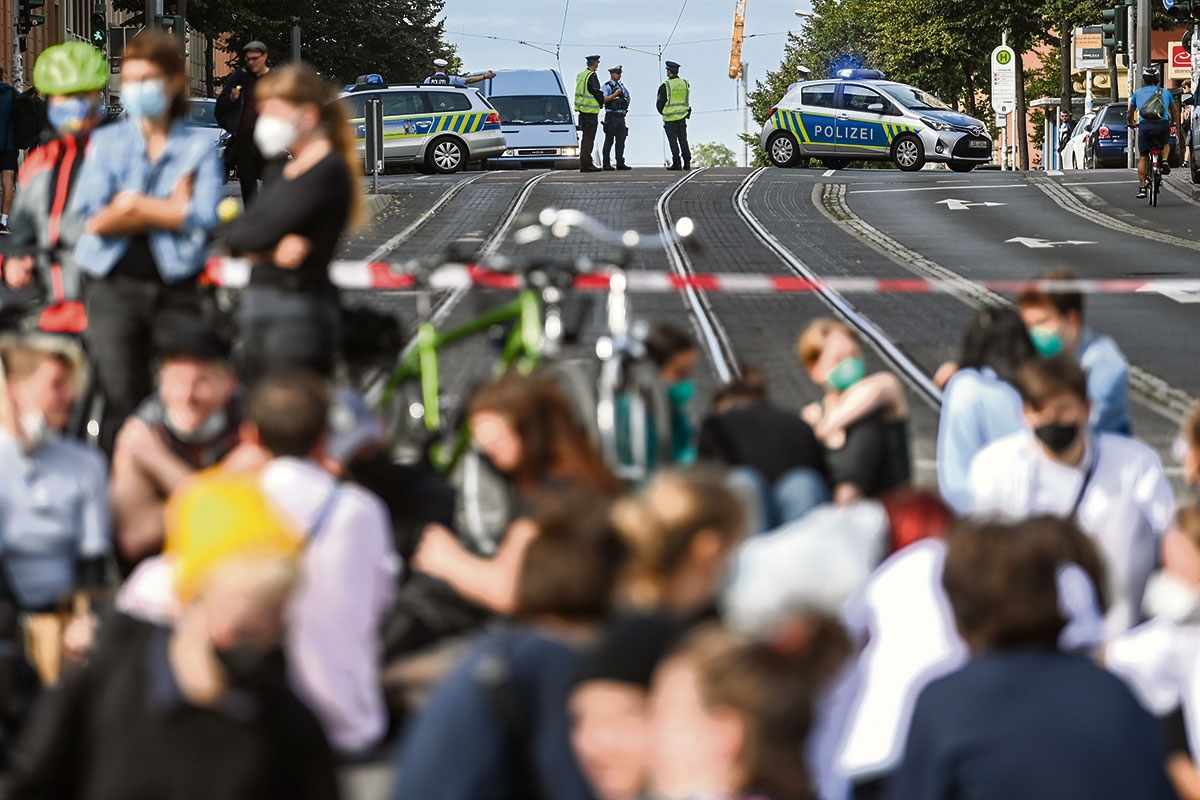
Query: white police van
[858, 116]
[536, 118]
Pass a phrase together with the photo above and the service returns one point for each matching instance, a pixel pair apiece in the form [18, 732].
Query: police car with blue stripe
[858, 116]
[435, 128]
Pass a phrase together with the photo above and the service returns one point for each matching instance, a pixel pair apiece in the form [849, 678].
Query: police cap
[673, 66]
[802, 69]
[593, 59]
[617, 68]
[441, 62]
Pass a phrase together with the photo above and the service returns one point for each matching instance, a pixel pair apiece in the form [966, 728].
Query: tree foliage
[712, 154]
[341, 39]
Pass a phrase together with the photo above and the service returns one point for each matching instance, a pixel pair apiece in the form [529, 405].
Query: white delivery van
[536, 117]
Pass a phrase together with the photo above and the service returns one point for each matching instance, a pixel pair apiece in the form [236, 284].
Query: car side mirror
[876, 108]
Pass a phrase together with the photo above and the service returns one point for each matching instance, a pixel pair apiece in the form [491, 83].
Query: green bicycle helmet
[69, 68]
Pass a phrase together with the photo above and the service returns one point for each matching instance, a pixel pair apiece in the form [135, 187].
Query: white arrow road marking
[1179, 295]
[1031, 242]
[963, 205]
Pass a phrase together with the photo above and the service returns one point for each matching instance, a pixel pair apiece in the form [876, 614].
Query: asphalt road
[850, 223]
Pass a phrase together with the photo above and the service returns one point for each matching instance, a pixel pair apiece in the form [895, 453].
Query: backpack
[1153, 109]
[28, 111]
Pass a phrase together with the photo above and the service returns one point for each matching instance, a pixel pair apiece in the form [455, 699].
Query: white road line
[1098, 183]
[829, 173]
[940, 188]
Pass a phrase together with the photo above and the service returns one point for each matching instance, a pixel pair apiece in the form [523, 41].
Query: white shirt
[912, 640]
[1160, 661]
[348, 580]
[1125, 508]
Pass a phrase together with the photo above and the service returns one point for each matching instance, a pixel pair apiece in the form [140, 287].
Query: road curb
[376, 203]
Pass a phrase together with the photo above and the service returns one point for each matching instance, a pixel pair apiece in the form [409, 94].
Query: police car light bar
[860, 74]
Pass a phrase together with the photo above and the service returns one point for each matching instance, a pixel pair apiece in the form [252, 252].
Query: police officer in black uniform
[616, 107]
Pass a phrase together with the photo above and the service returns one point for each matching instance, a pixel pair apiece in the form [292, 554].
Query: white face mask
[274, 136]
[36, 429]
[1171, 599]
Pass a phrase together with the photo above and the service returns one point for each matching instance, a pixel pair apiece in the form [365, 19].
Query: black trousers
[615, 132]
[243, 154]
[283, 331]
[587, 126]
[677, 139]
[124, 316]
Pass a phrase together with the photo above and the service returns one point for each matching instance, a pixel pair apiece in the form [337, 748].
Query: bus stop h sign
[1004, 80]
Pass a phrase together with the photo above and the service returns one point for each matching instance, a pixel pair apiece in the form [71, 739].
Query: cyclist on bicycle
[71, 76]
[1157, 111]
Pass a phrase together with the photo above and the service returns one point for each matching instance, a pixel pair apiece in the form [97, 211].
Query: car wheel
[1074, 161]
[835, 163]
[1195, 172]
[908, 153]
[782, 150]
[446, 155]
[961, 166]
[1089, 160]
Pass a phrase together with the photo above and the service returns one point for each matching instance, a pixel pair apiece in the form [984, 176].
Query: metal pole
[1087, 95]
[1132, 82]
[151, 8]
[18, 68]
[745, 87]
[295, 41]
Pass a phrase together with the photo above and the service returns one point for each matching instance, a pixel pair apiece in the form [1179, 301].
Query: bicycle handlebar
[560, 223]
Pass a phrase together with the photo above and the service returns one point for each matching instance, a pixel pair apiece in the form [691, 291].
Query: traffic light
[99, 24]
[27, 20]
[1115, 29]
[1184, 11]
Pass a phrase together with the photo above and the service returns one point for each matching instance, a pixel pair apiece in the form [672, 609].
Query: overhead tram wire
[678, 19]
[561, 33]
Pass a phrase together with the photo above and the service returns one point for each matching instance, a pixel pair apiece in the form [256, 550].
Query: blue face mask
[70, 114]
[145, 99]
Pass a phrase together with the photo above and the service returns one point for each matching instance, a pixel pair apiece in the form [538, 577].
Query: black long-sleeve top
[315, 205]
[593, 87]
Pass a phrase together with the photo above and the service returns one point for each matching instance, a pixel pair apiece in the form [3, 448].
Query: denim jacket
[116, 161]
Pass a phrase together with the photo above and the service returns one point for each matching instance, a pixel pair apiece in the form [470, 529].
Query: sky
[696, 33]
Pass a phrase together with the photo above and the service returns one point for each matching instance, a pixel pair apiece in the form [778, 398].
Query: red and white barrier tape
[379, 276]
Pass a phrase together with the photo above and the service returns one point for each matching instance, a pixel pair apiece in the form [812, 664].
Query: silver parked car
[438, 128]
[860, 117]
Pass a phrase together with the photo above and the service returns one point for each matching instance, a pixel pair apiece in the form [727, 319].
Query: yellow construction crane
[739, 36]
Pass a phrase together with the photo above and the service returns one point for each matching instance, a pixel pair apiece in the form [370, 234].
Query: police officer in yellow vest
[675, 105]
[588, 100]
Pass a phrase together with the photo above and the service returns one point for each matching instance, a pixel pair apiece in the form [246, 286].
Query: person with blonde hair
[204, 704]
[290, 314]
[862, 420]
[681, 532]
[54, 509]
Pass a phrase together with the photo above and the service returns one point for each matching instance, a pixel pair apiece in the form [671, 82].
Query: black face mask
[1057, 436]
[254, 668]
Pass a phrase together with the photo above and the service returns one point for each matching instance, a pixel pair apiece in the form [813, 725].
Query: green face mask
[848, 372]
[681, 393]
[1048, 344]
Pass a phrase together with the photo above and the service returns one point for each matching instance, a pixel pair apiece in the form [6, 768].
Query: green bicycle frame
[522, 350]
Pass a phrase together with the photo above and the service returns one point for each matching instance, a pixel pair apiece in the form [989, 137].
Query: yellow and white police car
[436, 128]
[858, 116]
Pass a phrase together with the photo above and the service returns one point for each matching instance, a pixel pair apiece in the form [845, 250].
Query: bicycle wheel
[483, 505]
[643, 422]
[1152, 189]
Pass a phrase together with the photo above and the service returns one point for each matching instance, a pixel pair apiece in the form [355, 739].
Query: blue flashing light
[860, 74]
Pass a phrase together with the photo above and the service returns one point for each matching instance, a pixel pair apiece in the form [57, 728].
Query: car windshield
[1114, 114]
[532, 109]
[203, 114]
[913, 98]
